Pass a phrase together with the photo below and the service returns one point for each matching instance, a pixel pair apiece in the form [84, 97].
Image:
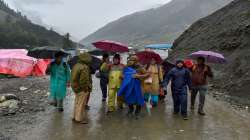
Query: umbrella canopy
[16, 64]
[15, 51]
[94, 66]
[146, 56]
[167, 65]
[111, 46]
[100, 52]
[211, 57]
[159, 46]
[45, 52]
[188, 63]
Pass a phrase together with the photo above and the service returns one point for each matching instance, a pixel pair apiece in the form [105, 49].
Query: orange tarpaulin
[40, 67]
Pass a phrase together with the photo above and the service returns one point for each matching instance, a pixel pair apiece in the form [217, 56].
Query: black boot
[202, 113]
[137, 112]
[60, 109]
[130, 110]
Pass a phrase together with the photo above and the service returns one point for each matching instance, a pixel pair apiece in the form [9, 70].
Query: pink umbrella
[211, 57]
[111, 46]
[16, 64]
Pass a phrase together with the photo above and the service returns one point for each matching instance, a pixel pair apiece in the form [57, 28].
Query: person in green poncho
[59, 80]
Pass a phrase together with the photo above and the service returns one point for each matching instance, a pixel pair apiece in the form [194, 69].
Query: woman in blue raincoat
[59, 80]
[131, 88]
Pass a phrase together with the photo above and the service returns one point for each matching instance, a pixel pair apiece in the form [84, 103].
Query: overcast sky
[80, 17]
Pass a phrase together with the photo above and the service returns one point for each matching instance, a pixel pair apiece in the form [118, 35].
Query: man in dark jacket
[104, 74]
[181, 80]
[200, 73]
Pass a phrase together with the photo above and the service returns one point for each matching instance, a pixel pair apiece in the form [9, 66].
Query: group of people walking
[194, 79]
[131, 85]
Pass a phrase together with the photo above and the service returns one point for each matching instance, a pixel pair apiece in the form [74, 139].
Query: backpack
[159, 70]
[199, 77]
[103, 75]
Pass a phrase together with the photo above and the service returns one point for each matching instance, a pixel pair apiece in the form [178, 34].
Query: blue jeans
[154, 98]
[180, 102]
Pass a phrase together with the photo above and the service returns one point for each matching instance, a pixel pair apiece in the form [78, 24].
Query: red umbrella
[111, 46]
[188, 63]
[146, 56]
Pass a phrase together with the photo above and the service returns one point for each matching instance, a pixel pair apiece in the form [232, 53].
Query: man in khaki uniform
[82, 85]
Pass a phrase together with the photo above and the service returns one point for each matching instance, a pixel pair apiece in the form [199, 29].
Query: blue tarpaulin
[159, 46]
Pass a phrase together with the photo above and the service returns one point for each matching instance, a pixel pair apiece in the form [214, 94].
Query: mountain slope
[161, 24]
[16, 31]
[227, 31]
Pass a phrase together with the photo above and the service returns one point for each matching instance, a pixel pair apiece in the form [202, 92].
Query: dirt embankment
[227, 31]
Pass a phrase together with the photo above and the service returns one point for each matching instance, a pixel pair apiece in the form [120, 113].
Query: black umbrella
[94, 66]
[167, 66]
[46, 52]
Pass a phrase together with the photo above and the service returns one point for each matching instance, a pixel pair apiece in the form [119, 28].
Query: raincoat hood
[179, 61]
[85, 58]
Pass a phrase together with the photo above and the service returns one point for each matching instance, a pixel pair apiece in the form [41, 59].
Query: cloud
[26, 7]
[80, 17]
[36, 2]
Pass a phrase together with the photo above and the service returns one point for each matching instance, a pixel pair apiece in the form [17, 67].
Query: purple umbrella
[211, 57]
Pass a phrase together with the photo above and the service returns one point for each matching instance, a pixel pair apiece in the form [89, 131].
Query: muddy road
[221, 123]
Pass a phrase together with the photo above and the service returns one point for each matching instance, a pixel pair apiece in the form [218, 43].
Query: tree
[17, 31]
[43, 42]
[67, 43]
[51, 29]
[8, 19]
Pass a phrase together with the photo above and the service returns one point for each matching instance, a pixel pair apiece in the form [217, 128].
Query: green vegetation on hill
[17, 31]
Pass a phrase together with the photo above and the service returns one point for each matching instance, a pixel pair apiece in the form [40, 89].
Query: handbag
[149, 80]
[162, 91]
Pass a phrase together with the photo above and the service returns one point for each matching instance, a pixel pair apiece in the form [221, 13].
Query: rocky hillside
[163, 24]
[226, 31]
[16, 31]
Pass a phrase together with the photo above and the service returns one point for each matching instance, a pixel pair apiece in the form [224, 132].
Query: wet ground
[221, 123]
